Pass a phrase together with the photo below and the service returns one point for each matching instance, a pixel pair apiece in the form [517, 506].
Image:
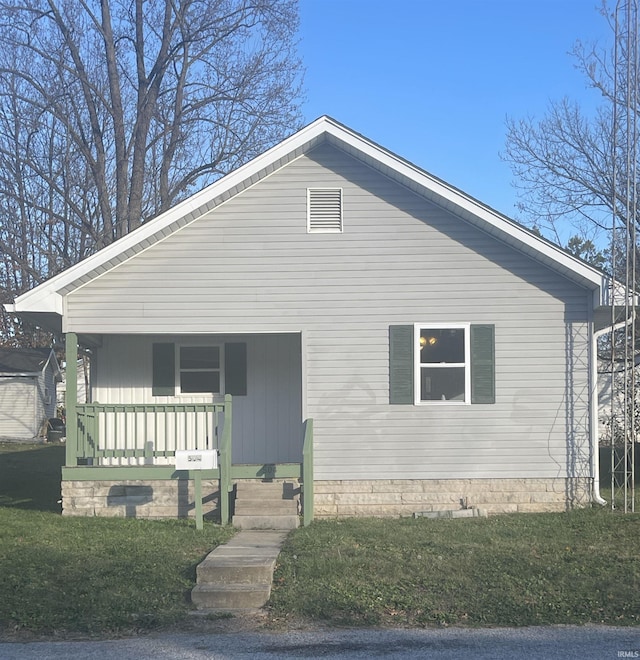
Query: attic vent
[324, 209]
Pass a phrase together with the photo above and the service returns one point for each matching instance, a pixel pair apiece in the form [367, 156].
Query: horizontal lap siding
[251, 266]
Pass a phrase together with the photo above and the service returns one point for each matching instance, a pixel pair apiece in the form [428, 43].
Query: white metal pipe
[595, 454]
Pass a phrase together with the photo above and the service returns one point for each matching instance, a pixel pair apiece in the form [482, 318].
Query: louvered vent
[324, 207]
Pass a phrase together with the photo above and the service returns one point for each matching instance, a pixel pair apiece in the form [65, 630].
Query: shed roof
[25, 361]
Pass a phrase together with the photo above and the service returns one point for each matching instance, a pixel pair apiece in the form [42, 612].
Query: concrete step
[266, 521]
[238, 569]
[257, 489]
[265, 506]
[230, 596]
[238, 574]
[265, 542]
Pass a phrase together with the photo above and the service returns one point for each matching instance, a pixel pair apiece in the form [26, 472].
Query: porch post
[225, 461]
[307, 473]
[71, 398]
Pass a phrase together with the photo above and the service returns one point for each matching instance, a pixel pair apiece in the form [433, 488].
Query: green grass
[115, 576]
[30, 476]
[513, 570]
[87, 575]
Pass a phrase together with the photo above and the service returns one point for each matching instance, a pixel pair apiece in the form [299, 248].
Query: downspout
[595, 408]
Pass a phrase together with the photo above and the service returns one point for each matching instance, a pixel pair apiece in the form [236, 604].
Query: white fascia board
[40, 299]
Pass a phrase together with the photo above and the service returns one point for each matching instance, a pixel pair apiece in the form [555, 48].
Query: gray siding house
[28, 379]
[332, 315]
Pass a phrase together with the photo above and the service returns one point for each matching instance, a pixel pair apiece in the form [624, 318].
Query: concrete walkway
[238, 574]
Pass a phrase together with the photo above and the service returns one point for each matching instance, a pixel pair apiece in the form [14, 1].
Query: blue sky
[434, 80]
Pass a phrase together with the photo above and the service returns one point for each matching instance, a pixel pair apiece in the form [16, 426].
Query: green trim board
[307, 473]
[132, 473]
[71, 397]
[168, 472]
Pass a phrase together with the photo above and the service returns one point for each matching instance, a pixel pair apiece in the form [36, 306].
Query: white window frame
[179, 370]
[312, 230]
[418, 366]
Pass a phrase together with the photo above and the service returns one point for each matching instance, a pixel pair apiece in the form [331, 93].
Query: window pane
[199, 357]
[193, 382]
[445, 384]
[439, 345]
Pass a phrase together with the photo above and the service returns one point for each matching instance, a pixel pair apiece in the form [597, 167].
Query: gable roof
[26, 361]
[47, 298]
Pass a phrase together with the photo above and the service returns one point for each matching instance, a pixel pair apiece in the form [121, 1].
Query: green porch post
[71, 398]
[225, 461]
[307, 473]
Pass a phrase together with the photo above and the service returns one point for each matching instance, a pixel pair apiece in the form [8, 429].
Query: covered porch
[136, 443]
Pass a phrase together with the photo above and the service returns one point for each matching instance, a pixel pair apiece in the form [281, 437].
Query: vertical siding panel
[265, 420]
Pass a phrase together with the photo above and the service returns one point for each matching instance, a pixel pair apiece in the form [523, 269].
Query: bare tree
[564, 162]
[111, 111]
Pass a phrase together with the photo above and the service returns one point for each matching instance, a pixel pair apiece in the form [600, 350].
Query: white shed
[28, 379]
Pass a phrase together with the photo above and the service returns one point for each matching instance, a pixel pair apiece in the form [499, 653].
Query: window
[438, 363]
[189, 369]
[324, 210]
[442, 363]
[199, 369]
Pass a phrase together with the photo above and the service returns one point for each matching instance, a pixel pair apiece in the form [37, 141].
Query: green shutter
[164, 370]
[483, 389]
[235, 369]
[401, 364]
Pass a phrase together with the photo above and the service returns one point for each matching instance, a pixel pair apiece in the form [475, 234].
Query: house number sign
[196, 460]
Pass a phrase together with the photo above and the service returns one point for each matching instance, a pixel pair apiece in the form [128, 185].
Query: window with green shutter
[198, 369]
[445, 364]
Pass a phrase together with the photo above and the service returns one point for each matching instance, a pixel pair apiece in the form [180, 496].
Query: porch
[137, 443]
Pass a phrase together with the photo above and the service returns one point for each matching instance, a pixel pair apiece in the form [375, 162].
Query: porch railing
[150, 435]
[147, 431]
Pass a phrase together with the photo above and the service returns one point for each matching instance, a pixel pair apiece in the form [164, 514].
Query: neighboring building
[28, 378]
[445, 354]
[82, 379]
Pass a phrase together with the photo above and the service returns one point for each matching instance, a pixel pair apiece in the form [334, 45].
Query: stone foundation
[404, 497]
[138, 499]
[333, 499]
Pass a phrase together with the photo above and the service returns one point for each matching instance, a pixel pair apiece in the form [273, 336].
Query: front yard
[114, 576]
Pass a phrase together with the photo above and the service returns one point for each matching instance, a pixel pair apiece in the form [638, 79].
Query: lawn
[115, 576]
[512, 570]
[87, 575]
